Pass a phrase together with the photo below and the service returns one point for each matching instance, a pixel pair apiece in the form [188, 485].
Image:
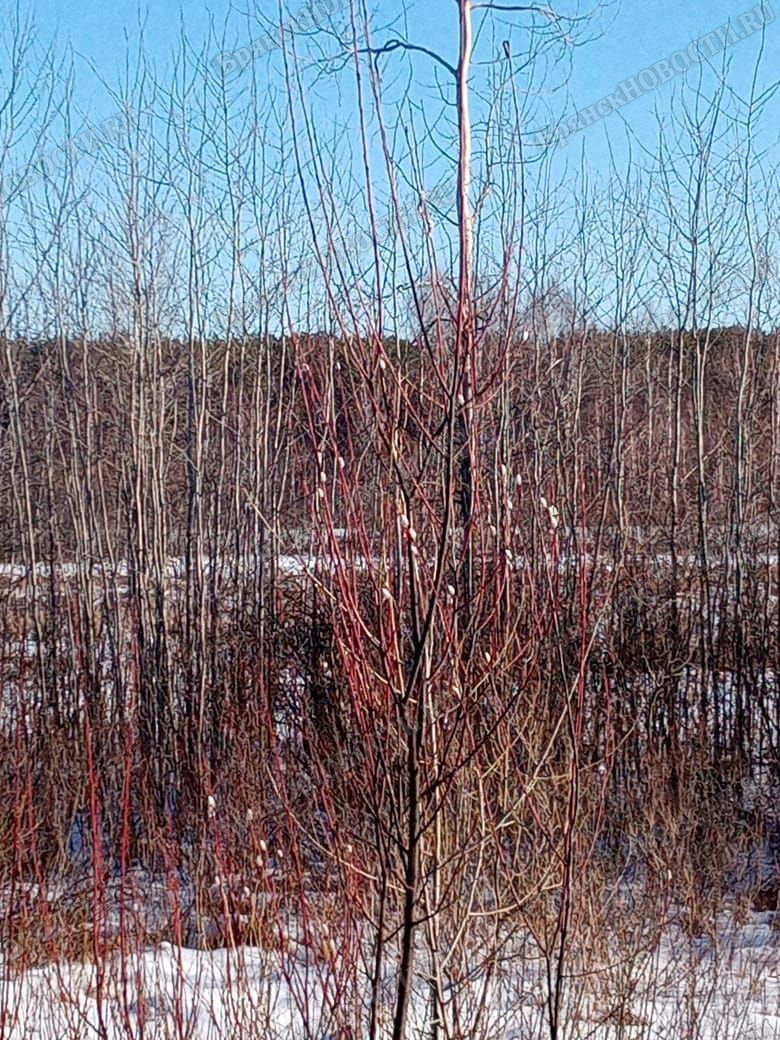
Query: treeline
[640, 432]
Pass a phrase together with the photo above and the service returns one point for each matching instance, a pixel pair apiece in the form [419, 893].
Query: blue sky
[627, 37]
[630, 36]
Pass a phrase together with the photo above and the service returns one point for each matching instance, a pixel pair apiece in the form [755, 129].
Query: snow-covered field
[724, 986]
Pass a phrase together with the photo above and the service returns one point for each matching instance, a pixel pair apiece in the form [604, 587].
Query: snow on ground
[721, 988]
